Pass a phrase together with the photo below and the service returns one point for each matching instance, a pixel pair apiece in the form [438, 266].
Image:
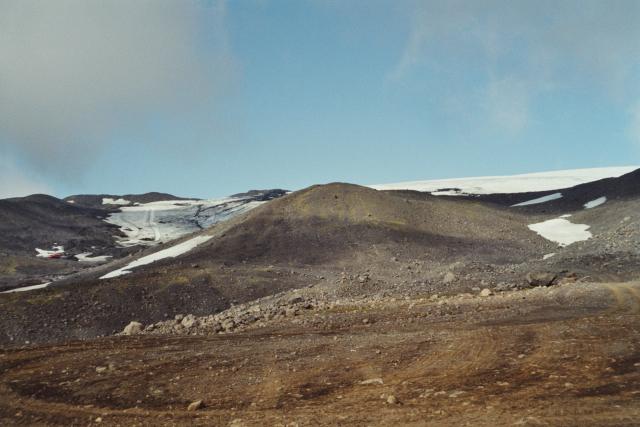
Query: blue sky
[209, 98]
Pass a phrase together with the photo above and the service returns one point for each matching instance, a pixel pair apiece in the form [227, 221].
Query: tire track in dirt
[626, 296]
[567, 370]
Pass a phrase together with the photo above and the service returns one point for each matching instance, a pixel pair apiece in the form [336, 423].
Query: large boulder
[189, 321]
[541, 278]
[132, 328]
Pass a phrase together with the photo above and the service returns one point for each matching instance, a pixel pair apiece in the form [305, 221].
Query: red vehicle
[57, 255]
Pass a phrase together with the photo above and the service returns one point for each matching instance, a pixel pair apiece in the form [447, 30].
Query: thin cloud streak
[525, 49]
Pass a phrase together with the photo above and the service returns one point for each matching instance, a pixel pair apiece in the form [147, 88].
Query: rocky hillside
[354, 239]
[349, 241]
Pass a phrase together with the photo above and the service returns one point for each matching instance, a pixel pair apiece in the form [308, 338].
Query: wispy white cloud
[72, 72]
[523, 49]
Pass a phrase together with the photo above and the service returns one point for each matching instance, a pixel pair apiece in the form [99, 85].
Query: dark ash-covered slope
[624, 187]
[41, 221]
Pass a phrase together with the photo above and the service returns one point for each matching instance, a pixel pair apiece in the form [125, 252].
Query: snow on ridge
[171, 252]
[562, 231]
[521, 183]
[597, 202]
[543, 199]
[110, 201]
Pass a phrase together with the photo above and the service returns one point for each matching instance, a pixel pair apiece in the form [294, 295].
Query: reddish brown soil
[566, 356]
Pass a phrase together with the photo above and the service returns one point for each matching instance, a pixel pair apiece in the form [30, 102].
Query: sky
[208, 98]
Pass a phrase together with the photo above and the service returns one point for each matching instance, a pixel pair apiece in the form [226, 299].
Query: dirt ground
[562, 356]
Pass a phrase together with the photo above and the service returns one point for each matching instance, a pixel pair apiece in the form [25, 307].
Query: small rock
[372, 381]
[228, 325]
[101, 369]
[486, 292]
[449, 277]
[504, 286]
[194, 406]
[363, 278]
[392, 400]
[132, 328]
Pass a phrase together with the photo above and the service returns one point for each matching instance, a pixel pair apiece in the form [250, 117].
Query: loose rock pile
[237, 317]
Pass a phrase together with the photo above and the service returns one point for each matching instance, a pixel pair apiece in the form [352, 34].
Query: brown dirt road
[563, 356]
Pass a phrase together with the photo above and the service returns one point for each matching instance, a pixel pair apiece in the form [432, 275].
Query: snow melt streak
[171, 252]
[27, 288]
[542, 199]
[597, 202]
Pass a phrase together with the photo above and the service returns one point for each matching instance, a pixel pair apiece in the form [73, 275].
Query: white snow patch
[171, 252]
[55, 250]
[86, 257]
[597, 202]
[562, 231]
[71, 201]
[565, 216]
[547, 256]
[152, 223]
[541, 181]
[27, 288]
[110, 201]
[539, 200]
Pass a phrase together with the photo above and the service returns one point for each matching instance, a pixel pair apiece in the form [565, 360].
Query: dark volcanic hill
[344, 223]
[41, 221]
